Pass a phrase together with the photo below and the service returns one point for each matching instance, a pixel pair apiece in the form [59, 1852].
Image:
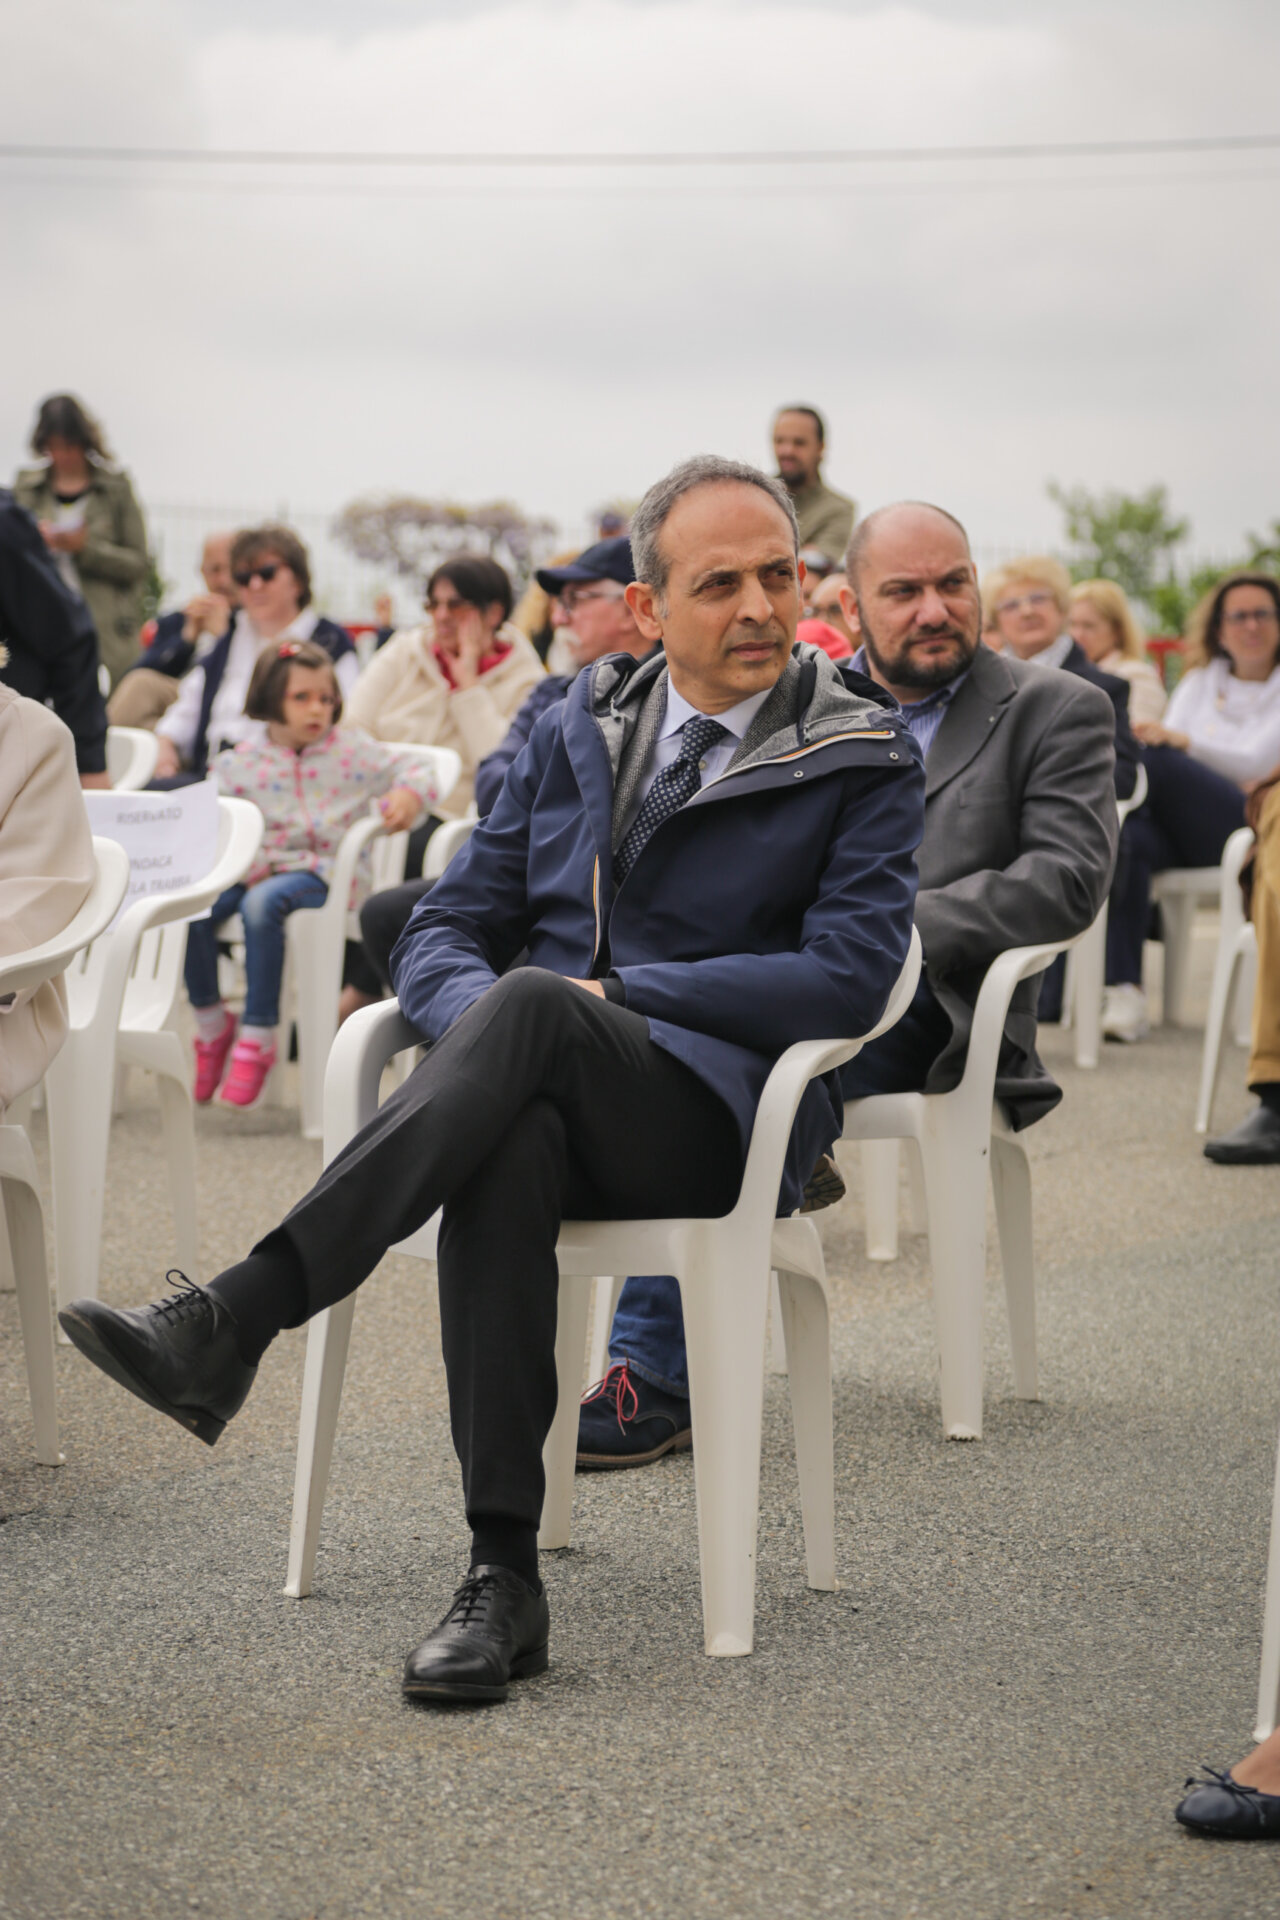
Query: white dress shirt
[667, 747]
[228, 724]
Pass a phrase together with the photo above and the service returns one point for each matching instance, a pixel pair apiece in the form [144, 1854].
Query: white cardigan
[1233, 725]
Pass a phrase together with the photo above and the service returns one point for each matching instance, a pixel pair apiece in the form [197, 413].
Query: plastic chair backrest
[131, 758]
[19, 971]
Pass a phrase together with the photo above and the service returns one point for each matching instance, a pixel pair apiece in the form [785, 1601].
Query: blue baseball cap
[607, 560]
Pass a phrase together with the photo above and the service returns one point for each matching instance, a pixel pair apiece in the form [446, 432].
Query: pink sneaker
[211, 1061]
[246, 1077]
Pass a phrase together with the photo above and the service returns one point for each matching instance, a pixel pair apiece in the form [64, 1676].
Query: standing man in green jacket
[825, 517]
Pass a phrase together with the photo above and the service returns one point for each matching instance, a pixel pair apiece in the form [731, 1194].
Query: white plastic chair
[131, 758]
[122, 990]
[1269, 1673]
[1234, 972]
[1179, 892]
[1083, 986]
[448, 840]
[723, 1268]
[959, 1136]
[22, 1212]
[316, 938]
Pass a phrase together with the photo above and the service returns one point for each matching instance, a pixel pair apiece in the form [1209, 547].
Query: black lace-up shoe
[179, 1355]
[625, 1422]
[496, 1631]
[1254, 1143]
[1225, 1808]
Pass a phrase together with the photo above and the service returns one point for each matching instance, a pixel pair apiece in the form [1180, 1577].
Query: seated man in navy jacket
[172, 643]
[702, 859]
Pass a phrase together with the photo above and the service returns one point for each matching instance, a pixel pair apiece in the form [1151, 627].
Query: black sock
[262, 1293]
[1268, 1091]
[507, 1543]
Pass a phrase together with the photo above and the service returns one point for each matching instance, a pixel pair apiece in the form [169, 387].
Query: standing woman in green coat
[91, 523]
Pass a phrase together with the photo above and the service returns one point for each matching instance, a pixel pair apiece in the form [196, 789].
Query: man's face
[728, 617]
[215, 565]
[915, 603]
[1027, 618]
[599, 621]
[796, 448]
[825, 603]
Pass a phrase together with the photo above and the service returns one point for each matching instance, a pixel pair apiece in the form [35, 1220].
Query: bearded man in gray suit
[1020, 814]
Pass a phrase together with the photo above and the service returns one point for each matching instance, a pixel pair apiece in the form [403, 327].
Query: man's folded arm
[854, 939]
[1068, 835]
[476, 918]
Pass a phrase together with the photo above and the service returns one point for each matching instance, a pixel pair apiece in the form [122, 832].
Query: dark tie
[673, 786]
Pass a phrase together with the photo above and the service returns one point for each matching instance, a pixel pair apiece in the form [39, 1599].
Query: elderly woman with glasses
[455, 681]
[1220, 735]
[272, 575]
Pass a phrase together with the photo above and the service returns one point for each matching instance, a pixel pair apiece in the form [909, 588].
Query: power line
[786, 157]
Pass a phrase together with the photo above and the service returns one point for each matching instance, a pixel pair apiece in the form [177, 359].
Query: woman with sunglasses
[272, 574]
[1220, 735]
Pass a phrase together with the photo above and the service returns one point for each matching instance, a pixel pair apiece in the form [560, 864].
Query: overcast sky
[970, 331]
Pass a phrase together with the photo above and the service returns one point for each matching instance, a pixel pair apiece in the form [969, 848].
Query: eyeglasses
[1251, 616]
[1025, 600]
[571, 599]
[266, 573]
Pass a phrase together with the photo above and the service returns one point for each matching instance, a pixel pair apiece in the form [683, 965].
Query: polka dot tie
[673, 786]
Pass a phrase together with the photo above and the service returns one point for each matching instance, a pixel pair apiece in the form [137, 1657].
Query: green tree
[1125, 537]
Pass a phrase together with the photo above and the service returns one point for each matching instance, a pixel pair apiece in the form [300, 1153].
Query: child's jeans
[264, 908]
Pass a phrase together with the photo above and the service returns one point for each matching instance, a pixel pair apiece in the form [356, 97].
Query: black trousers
[541, 1102]
[383, 918]
[1186, 820]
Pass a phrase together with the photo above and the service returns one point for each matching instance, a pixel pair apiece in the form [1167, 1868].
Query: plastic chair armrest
[19, 971]
[361, 1050]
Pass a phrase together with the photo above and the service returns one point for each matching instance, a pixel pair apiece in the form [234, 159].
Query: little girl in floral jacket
[311, 781]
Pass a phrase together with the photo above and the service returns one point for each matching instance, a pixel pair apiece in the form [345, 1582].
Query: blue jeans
[264, 908]
[648, 1328]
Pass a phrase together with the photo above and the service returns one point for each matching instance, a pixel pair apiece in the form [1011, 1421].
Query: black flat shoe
[624, 1421]
[495, 1631]
[1223, 1807]
[1254, 1143]
[179, 1355]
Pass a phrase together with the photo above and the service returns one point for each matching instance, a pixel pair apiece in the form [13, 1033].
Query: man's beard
[920, 675]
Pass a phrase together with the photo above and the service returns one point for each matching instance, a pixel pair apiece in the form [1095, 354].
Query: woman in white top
[1220, 734]
[1100, 621]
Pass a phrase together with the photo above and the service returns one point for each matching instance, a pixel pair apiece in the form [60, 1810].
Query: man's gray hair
[703, 470]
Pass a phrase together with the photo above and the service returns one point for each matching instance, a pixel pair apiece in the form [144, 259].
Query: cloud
[562, 338]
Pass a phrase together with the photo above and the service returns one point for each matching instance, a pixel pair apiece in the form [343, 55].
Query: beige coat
[46, 871]
[403, 695]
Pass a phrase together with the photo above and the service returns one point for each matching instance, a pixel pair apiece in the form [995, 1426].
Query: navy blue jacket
[775, 906]
[50, 636]
[328, 634]
[169, 652]
[495, 766]
[1117, 692]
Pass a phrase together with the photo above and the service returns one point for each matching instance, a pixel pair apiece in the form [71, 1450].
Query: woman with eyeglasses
[271, 571]
[1102, 624]
[455, 681]
[1220, 735]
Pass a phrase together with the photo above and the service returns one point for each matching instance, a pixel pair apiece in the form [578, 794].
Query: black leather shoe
[1254, 1143]
[1222, 1806]
[179, 1355]
[625, 1422]
[495, 1631]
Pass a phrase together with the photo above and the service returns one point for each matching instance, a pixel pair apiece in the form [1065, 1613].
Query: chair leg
[880, 1198]
[1177, 914]
[1269, 1676]
[178, 1116]
[1246, 987]
[776, 1356]
[608, 1293]
[725, 1291]
[956, 1190]
[1087, 974]
[560, 1450]
[1011, 1181]
[808, 1334]
[319, 985]
[328, 1338]
[80, 1083]
[25, 1221]
[8, 1278]
[1225, 971]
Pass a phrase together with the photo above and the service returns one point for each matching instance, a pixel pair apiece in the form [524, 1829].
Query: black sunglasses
[266, 572]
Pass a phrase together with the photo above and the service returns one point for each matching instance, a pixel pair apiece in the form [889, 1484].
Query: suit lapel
[969, 720]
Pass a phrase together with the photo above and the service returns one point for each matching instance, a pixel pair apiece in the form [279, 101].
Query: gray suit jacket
[1019, 845]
